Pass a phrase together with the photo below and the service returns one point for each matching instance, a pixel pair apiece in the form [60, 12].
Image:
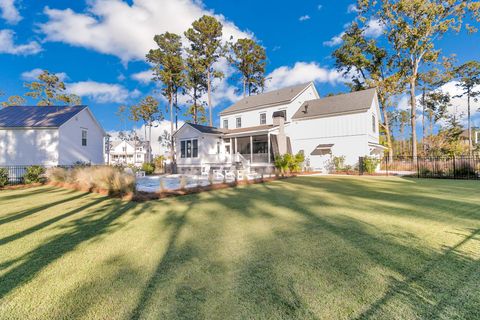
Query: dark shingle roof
[37, 116]
[344, 103]
[205, 129]
[283, 95]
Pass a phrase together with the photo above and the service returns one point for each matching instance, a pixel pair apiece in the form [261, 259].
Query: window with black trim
[225, 123]
[84, 138]
[189, 148]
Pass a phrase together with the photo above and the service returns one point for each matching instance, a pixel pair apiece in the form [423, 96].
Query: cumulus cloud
[32, 75]
[302, 72]
[9, 12]
[319, 7]
[374, 29]
[352, 8]
[304, 18]
[143, 76]
[126, 29]
[102, 92]
[7, 44]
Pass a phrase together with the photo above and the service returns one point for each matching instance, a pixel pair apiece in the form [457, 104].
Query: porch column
[236, 146]
[268, 143]
[251, 149]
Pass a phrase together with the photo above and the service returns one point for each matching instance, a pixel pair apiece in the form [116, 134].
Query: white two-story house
[133, 153]
[290, 120]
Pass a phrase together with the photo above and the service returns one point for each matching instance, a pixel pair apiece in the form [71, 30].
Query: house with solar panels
[256, 129]
[50, 136]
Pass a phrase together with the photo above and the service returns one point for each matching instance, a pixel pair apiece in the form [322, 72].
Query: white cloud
[7, 44]
[374, 29]
[301, 72]
[143, 77]
[304, 18]
[352, 8]
[335, 41]
[9, 11]
[102, 92]
[126, 30]
[319, 7]
[32, 75]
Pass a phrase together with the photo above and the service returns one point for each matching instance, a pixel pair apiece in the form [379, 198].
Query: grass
[302, 248]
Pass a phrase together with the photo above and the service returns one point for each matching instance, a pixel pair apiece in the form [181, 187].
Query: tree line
[407, 60]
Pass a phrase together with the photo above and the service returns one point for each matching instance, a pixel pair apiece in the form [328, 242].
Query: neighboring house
[129, 153]
[50, 135]
[475, 138]
[290, 120]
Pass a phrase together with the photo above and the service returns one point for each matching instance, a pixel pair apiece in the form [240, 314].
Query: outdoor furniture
[205, 171]
[217, 174]
[140, 174]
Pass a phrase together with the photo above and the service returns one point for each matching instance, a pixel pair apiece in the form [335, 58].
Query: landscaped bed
[306, 247]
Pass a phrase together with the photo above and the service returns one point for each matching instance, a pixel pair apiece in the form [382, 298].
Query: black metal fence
[463, 167]
[15, 174]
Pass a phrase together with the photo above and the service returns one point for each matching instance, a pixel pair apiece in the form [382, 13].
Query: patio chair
[217, 174]
[230, 174]
[140, 174]
[205, 171]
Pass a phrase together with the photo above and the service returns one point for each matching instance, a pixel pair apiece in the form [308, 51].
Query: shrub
[34, 174]
[56, 174]
[369, 164]
[3, 177]
[112, 179]
[149, 168]
[339, 163]
[289, 162]
[281, 163]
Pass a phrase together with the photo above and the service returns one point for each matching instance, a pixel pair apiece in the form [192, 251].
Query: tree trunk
[209, 93]
[172, 147]
[176, 110]
[387, 133]
[423, 122]
[413, 104]
[469, 125]
[244, 87]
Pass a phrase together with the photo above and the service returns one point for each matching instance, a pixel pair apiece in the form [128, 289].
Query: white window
[124, 149]
[263, 118]
[225, 123]
[139, 156]
[374, 123]
[84, 138]
[189, 148]
[239, 122]
[139, 149]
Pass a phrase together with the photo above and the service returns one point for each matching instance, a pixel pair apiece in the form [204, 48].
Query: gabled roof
[284, 95]
[205, 129]
[37, 116]
[357, 101]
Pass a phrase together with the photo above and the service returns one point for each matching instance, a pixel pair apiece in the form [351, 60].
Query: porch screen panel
[289, 145]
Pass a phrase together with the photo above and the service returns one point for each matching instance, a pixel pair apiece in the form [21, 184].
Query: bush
[57, 174]
[112, 179]
[369, 164]
[3, 177]
[34, 174]
[339, 163]
[149, 168]
[289, 162]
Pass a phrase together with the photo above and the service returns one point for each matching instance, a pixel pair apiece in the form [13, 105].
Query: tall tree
[412, 28]
[369, 66]
[195, 86]
[249, 58]
[49, 89]
[168, 68]
[468, 76]
[205, 37]
[148, 112]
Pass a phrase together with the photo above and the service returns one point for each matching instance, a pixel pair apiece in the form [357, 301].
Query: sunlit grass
[307, 247]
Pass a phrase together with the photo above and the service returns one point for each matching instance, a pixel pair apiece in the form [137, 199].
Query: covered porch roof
[257, 130]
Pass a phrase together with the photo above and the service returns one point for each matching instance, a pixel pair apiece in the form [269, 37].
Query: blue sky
[98, 46]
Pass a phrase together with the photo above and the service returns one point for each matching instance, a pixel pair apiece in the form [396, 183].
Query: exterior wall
[252, 118]
[207, 147]
[29, 146]
[373, 136]
[70, 144]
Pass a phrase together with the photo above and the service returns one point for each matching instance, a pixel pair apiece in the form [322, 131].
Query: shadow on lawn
[89, 226]
[279, 276]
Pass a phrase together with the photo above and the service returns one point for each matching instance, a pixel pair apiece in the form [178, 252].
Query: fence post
[387, 158]
[454, 168]
[418, 166]
[360, 166]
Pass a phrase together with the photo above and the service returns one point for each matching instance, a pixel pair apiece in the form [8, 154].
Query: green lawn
[302, 248]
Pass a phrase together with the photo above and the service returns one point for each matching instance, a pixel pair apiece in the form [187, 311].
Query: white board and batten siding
[207, 146]
[70, 146]
[252, 118]
[53, 146]
[349, 134]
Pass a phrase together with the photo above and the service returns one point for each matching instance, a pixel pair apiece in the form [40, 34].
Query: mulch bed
[21, 186]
